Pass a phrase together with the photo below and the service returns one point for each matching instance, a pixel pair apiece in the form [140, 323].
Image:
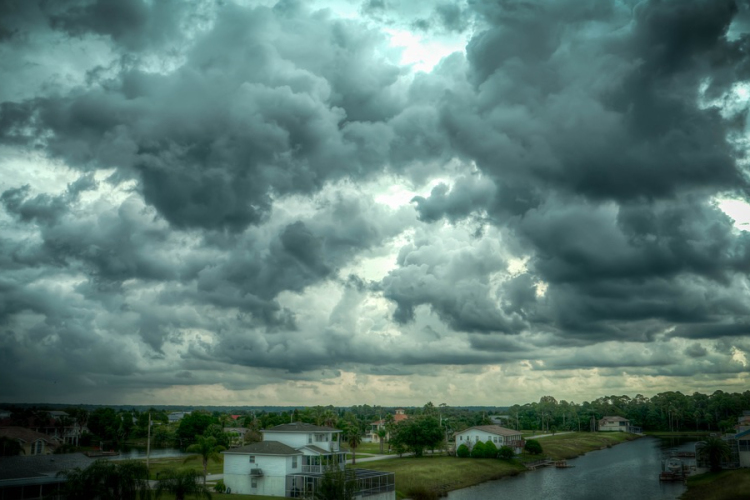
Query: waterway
[130, 453]
[628, 471]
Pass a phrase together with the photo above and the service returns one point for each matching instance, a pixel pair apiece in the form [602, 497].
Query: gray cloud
[256, 197]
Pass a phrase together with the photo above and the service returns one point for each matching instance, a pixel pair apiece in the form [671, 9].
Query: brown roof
[615, 419]
[26, 435]
[398, 417]
[493, 429]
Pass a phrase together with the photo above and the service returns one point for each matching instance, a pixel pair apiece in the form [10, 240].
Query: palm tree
[182, 483]
[381, 437]
[105, 480]
[714, 450]
[206, 449]
[353, 439]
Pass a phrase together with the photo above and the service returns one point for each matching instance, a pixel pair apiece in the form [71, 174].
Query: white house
[608, 424]
[176, 416]
[291, 460]
[500, 436]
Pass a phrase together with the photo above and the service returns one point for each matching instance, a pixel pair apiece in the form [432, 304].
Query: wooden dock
[539, 463]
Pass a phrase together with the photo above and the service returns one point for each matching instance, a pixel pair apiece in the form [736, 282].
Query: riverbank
[440, 474]
[724, 485]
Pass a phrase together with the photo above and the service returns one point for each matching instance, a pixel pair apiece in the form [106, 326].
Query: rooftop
[40, 466]
[494, 429]
[300, 427]
[263, 448]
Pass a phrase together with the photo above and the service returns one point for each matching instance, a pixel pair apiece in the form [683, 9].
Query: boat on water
[563, 464]
[674, 469]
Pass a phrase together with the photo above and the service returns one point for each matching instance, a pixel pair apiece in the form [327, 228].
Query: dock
[539, 463]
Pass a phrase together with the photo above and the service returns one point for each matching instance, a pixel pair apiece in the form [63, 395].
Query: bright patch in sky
[738, 210]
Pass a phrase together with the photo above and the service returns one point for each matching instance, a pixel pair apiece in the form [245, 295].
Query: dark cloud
[207, 197]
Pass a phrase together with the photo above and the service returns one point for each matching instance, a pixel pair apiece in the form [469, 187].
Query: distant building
[617, 424]
[32, 442]
[372, 435]
[176, 416]
[36, 477]
[291, 460]
[500, 436]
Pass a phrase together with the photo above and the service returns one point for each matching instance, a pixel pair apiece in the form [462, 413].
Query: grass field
[571, 445]
[440, 473]
[724, 485]
[158, 465]
[677, 434]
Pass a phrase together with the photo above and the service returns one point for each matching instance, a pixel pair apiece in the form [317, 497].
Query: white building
[609, 424]
[176, 416]
[500, 436]
[291, 460]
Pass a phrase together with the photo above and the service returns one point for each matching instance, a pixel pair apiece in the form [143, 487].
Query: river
[628, 471]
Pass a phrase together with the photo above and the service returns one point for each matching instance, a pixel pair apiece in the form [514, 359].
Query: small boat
[563, 464]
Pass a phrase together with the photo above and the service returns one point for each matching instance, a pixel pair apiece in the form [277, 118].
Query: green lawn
[564, 446]
[724, 485]
[441, 473]
[677, 433]
[371, 448]
[158, 465]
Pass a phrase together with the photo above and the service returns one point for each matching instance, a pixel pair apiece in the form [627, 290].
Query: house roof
[398, 417]
[37, 466]
[300, 427]
[616, 419]
[742, 434]
[317, 449]
[25, 435]
[493, 429]
[264, 448]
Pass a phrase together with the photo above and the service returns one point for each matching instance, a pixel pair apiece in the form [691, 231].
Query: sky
[480, 202]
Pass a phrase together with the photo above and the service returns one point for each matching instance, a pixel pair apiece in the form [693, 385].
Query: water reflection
[129, 453]
[625, 472]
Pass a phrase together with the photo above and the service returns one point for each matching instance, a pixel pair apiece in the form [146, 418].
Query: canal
[624, 472]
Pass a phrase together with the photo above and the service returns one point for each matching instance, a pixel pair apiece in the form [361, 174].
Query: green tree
[533, 447]
[714, 450]
[477, 451]
[463, 451]
[353, 439]
[381, 438]
[182, 483]
[194, 425]
[418, 434]
[490, 449]
[10, 447]
[505, 452]
[336, 484]
[107, 480]
[205, 449]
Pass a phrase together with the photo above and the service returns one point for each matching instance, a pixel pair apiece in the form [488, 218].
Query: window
[39, 448]
[460, 438]
[253, 483]
[252, 459]
[309, 438]
[294, 462]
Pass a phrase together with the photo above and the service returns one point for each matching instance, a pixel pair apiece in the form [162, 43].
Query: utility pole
[148, 440]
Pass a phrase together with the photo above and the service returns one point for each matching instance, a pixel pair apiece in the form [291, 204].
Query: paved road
[547, 435]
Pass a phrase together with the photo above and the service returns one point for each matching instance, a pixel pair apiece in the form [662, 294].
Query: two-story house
[291, 460]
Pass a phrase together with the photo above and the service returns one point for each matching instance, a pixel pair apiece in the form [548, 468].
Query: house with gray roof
[499, 436]
[292, 459]
[32, 477]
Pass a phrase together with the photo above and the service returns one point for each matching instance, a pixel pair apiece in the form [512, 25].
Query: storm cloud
[267, 201]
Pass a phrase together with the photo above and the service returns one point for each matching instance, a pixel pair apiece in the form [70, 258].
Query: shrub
[533, 447]
[220, 487]
[422, 492]
[477, 451]
[463, 451]
[490, 450]
[505, 453]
